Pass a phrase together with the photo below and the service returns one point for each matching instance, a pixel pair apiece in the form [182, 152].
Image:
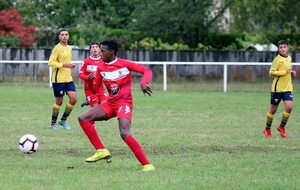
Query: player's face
[95, 50]
[64, 36]
[106, 54]
[283, 50]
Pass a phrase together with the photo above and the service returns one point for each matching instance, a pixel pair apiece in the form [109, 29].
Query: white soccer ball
[28, 144]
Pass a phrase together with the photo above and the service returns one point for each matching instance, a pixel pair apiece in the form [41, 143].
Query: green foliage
[196, 24]
[187, 22]
[152, 44]
[265, 16]
[221, 41]
[6, 4]
[200, 46]
[293, 40]
[227, 42]
[266, 38]
[9, 41]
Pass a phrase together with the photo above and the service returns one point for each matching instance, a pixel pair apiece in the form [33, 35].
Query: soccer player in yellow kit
[282, 73]
[62, 80]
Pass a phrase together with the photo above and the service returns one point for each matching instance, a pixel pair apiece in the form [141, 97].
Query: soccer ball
[28, 144]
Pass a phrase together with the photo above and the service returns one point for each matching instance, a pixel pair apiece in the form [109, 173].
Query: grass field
[196, 139]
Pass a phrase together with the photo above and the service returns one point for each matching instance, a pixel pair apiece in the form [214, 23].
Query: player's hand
[146, 89]
[91, 76]
[69, 65]
[293, 73]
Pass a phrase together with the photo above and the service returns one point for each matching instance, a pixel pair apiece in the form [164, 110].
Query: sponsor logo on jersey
[91, 68]
[115, 89]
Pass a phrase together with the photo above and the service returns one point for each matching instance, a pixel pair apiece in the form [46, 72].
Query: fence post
[35, 66]
[3, 56]
[165, 76]
[225, 78]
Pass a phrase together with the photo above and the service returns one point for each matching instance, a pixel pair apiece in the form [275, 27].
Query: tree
[6, 4]
[12, 27]
[178, 20]
[86, 20]
[49, 16]
[265, 16]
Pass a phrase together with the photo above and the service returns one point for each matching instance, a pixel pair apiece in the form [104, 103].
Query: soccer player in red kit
[116, 75]
[87, 73]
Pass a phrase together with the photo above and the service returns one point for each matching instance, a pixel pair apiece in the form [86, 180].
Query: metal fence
[213, 70]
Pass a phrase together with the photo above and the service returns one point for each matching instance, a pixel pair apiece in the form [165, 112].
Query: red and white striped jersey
[117, 77]
[89, 66]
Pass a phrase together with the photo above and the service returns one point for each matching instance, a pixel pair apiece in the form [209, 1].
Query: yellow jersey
[282, 81]
[60, 55]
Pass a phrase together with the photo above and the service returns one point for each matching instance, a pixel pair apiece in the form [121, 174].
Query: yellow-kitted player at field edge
[62, 80]
[282, 73]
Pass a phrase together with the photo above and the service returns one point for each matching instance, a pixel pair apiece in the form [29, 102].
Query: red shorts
[121, 110]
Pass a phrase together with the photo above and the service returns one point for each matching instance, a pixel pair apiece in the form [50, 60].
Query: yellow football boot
[148, 167]
[99, 155]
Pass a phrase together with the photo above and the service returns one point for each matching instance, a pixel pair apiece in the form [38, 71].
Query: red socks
[136, 149]
[92, 134]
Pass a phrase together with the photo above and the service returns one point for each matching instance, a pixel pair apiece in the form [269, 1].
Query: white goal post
[163, 63]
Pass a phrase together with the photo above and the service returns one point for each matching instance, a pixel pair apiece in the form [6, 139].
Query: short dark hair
[61, 30]
[112, 45]
[280, 42]
[94, 43]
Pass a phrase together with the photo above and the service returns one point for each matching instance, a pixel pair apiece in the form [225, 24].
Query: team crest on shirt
[115, 89]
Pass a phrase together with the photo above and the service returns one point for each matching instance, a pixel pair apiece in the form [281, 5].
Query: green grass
[196, 139]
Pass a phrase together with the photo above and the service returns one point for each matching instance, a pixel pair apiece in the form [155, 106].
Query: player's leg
[57, 88]
[95, 113]
[125, 115]
[93, 101]
[71, 92]
[274, 102]
[288, 106]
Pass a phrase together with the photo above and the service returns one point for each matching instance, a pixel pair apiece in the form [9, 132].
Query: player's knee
[58, 101]
[289, 109]
[273, 111]
[73, 101]
[124, 134]
[80, 118]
